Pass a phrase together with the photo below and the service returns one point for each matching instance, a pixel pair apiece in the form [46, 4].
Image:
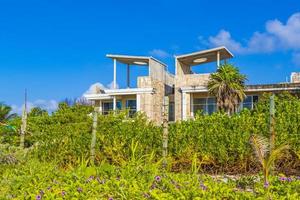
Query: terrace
[129, 97]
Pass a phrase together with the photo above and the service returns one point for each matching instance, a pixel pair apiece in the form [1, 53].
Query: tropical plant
[227, 84]
[266, 155]
[5, 113]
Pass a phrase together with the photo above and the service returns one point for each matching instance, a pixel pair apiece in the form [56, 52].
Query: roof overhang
[209, 55]
[109, 94]
[134, 60]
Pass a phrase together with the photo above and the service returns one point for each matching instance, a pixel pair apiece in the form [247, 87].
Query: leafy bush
[134, 181]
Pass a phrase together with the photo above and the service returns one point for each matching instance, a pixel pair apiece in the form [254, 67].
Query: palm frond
[260, 146]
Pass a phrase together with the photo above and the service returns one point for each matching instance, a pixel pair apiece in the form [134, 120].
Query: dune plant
[266, 155]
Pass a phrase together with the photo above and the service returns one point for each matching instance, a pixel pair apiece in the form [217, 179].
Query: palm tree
[266, 155]
[227, 84]
[5, 113]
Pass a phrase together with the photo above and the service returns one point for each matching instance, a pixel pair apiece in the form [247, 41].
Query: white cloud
[159, 53]
[111, 85]
[49, 105]
[277, 36]
[288, 34]
[224, 38]
[95, 88]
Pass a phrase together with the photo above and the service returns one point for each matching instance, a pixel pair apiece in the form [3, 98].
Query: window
[249, 102]
[171, 112]
[205, 105]
[209, 105]
[131, 105]
[108, 106]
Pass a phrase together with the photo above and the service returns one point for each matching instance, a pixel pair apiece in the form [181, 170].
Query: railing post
[272, 121]
[94, 137]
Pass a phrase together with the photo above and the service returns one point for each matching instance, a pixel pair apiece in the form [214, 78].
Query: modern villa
[186, 91]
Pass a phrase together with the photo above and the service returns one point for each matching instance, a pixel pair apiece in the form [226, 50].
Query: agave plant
[265, 155]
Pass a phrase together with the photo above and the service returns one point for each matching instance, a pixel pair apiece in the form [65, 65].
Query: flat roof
[209, 54]
[134, 60]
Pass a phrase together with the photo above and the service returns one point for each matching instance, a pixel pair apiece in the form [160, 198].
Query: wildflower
[157, 178]
[38, 197]
[266, 184]
[289, 179]
[203, 186]
[110, 198]
[63, 193]
[49, 188]
[42, 192]
[153, 186]
[90, 179]
[79, 189]
[282, 179]
[298, 177]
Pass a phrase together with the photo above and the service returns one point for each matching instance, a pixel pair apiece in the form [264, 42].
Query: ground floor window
[209, 105]
[204, 105]
[131, 105]
[249, 102]
[108, 106]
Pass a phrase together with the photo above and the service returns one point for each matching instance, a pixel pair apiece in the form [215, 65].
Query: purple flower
[203, 186]
[63, 193]
[110, 198]
[79, 189]
[298, 177]
[289, 179]
[90, 179]
[157, 178]
[282, 179]
[49, 188]
[153, 186]
[266, 184]
[38, 197]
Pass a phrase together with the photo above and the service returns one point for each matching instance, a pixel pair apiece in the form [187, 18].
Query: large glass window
[209, 105]
[131, 105]
[249, 102]
[204, 105]
[108, 106]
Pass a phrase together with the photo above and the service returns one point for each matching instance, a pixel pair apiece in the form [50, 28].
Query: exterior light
[140, 63]
[200, 60]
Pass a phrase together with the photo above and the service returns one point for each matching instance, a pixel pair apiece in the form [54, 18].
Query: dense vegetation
[128, 155]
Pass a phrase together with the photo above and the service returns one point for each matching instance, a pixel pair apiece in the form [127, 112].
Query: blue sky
[56, 49]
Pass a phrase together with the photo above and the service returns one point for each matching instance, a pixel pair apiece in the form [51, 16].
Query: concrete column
[192, 105]
[218, 58]
[138, 102]
[184, 104]
[115, 74]
[100, 107]
[115, 103]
